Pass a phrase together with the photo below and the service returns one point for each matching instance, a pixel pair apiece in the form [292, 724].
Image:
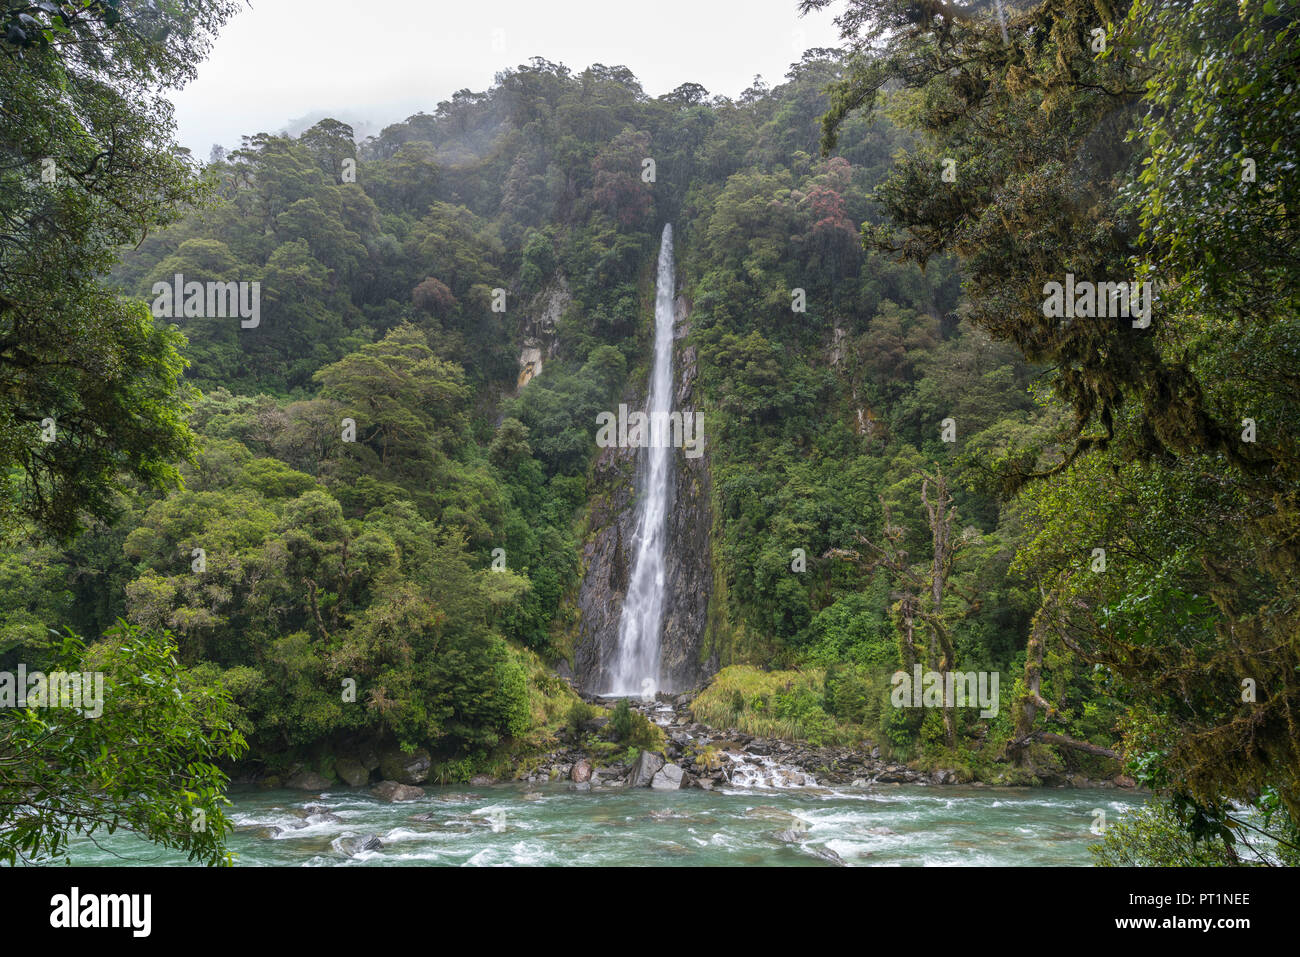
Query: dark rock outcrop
[413, 768]
[351, 771]
[608, 552]
[308, 781]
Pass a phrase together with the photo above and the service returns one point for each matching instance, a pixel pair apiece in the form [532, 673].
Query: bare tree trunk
[1032, 702]
[907, 611]
[1064, 741]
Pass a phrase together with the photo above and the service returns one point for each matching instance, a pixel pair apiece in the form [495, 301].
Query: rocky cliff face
[540, 339]
[608, 555]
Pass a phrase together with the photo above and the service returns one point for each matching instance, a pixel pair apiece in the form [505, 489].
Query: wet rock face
[610, 550]
[688, 560]
[606, 557]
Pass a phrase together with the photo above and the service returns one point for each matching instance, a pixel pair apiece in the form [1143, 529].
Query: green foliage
[1153, 836]
[630, 727]
[620, 721]
[578, 715]
[431, 556]
[1150, 159]
[93, 398]
[147, 763]
[783, 704]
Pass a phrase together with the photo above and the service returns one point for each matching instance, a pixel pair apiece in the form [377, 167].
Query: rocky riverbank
[696, 755]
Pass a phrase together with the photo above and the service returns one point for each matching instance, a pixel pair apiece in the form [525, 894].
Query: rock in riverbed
[668, 778]
[352, 846]
[646, 767]
[392, 791]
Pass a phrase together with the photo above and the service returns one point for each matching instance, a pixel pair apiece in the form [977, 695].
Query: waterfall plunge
[636, 666]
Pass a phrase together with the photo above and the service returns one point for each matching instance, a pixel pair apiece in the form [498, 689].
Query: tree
[147, 763]
[331, 142]
[90, 384]
[619, 188]
[925, 589]
[1111, 143]
[405, 399]
[687, 94]
[433, 297]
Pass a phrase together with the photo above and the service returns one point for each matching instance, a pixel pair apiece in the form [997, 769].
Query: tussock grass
[774, 704]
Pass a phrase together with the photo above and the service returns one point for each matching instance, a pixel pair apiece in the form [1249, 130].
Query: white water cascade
[636, 665]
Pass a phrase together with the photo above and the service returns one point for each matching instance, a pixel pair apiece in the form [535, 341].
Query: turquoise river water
[553, 825]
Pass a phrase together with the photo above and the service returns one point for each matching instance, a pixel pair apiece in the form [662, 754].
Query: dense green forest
[361, 518]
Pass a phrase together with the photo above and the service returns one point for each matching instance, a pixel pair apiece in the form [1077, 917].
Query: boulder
[308, 781]
[896, 774]
[405, 768]
[351, 846]
[643, 771]
[352, 772]
[826, 854]
[482, 780]
[668, 778]
[319, 814]
[396, 791]
[580, 772]
[793, 835]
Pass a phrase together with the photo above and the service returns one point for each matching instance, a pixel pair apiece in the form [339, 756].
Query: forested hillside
[374, 534]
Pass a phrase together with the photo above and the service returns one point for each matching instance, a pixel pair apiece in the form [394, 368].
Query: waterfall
[636, 664]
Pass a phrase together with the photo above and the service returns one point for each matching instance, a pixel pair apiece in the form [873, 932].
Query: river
[510, 824]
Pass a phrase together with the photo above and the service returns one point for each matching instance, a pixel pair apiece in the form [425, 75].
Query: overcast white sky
[280, 60]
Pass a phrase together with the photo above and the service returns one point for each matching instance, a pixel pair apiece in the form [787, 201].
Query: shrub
[634, 729]
[620, 721]
[645, 733]
[578, 715]
[848, 694]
